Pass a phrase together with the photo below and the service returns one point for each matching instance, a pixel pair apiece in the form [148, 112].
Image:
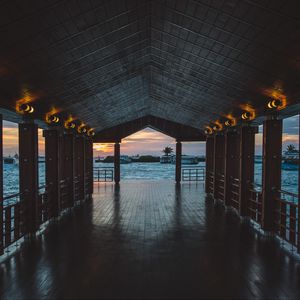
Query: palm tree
[290, 148]
[167, 150]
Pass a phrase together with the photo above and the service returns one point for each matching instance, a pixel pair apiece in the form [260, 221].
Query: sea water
[142, 171]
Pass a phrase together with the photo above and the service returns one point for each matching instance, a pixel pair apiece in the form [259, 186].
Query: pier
[98, 71]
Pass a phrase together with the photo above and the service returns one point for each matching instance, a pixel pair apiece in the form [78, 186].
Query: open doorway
[147, 155]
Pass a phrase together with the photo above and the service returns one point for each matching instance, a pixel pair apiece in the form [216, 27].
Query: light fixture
[208, 130]
[218, 126]
[81, 128]
[246, 115]
[69, 124]
[229, 123]
[274, 103]
[52, 119]
[25, 108]
[91, 132]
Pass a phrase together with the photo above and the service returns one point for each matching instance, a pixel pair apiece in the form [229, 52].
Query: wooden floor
[150, 240]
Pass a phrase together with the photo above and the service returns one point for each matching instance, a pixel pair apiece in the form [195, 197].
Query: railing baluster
[193, 174]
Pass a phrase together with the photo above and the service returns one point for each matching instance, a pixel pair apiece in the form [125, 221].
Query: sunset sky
[147, 141]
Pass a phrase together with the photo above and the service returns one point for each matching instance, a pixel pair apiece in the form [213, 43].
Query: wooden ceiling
[113, 61]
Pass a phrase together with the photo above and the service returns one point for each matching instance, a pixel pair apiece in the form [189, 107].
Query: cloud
[291, 125]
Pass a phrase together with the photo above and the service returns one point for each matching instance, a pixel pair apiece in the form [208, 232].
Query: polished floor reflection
[150, 240]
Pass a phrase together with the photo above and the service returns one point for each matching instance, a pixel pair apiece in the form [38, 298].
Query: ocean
[142, 171]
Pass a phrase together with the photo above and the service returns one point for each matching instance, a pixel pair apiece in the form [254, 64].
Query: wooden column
[219, 152]
[1, 185]
[67, 168]
[299, 189]
[28, 164]
[209, 162]
[80, 167]
[271, 177]
[232, 162]
[247, 159]
[117, 162]
[89, 165]
[52, 153]
[178, 162]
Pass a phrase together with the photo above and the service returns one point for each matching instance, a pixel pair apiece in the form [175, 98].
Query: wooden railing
[220, 194]
[103, 174]
[287, 217]
[254, 205]
[210, 178]
[64, 194]
[14, 221]
[193, 174]
[44, 207]
[76, 189]
[234, 193]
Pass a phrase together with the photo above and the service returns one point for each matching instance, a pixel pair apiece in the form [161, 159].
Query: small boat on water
[11, 160]
[290, 159]
[125, 159]
[189, 160]
[185, 159]
[99, 159]
[166, 159]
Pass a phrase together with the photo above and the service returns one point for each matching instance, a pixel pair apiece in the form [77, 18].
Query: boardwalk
[150, 240]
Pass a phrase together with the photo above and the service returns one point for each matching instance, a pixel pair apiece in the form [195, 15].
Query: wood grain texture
[145, 240]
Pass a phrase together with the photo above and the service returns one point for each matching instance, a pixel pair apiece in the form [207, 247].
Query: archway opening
[148, 155]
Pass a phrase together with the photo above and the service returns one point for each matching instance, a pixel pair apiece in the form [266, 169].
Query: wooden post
[52, 153]
[178, 162]
[219, 152]
[117, 162]
[232, 163]
[80, 166]
[247, 159]
[89, 166]
[299, 189]
[209, 162]
[1, 185]
[67, 167]
[271, 177]
[28, 164]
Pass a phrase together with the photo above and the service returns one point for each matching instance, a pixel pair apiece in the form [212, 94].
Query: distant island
[138, 159]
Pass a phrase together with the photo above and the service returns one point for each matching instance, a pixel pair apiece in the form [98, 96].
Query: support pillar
[67, 170]
[178, 162]
[209, 162]
[117, 162]
[232, 163]
[1, 185]
[28, 164]
[79, 167]
[271, 177]
[247, 160]
[219, 152]
[299, 189]
[89, 167]
[52, 153]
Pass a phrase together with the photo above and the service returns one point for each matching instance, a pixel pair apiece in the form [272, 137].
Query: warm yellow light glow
[276, 94]
[208, 130]
[249, 112]
[81, 128]
[218, 126]
[24, 108]
[69, 124]
[103, 148]
[51, 116]
[27, 98]
[231, 120]
[91, 132]
[277, 104]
